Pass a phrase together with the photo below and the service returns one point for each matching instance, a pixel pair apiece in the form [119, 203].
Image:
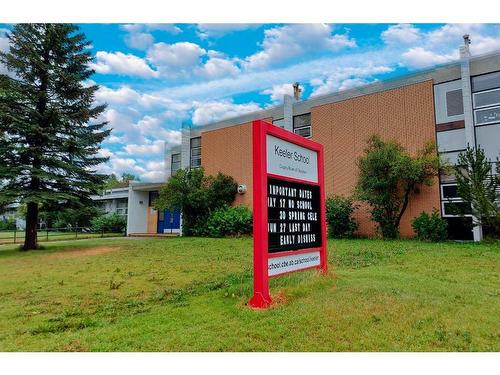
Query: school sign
[288, 204]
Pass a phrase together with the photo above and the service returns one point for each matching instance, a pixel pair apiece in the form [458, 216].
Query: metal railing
[59, 234]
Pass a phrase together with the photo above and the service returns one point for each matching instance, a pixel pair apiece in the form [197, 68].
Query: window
[153, 196]
[175, 163]
[454, 103]
[122, 207]
[487, 116]
[486, 98]
[302, 125]
[486, 82]
[195, 152]
[452, 204]
[450, 191]
[455, 208]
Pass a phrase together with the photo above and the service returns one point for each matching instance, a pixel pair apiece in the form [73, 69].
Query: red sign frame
[260, 129]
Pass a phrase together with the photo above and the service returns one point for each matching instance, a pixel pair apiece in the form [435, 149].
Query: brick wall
[229, 150]
[405, 114]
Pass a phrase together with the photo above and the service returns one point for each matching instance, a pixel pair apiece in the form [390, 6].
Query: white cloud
[140, 41]
[122, 123]
[122, 95]
[122, 64]
[418, 57]
[217, 30]
[278, 91]
[420, 49]
[147, 149]
[114, 139]
[217, 67]
[151, 126]
[285, 42]
[4, 47]
[138, 27]
[139, 35]
[350, 83]
[401, 34]
[485, 44]
[4, 41]
[261, 80]
[208, 112]
[450, 35]
[344, 78]
[175, 59]
[104, 153]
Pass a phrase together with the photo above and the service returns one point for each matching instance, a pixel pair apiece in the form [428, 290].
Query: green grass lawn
[189, 294]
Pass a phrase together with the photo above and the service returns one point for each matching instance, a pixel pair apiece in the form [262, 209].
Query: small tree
[112, 182]
[196, 195]
[480, 187]
[339, 212]
[389, 176]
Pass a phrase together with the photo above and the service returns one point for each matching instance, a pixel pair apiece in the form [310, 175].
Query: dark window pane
[487, 98]
[195, 162]
[459, 228]
[302, 120]
[450, 191]
[486, 82]
[196, 142]
[457, 208]
[153, 196]
[454, 103]
[176, 158]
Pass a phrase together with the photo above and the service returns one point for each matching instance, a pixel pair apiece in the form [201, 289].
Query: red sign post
[289, 227]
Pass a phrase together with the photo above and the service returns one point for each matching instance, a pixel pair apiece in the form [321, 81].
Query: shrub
[109, 223]
[197, 196]
[338, 216]
[229, 221]
[430, 227]
[389, 176]
[8, 224]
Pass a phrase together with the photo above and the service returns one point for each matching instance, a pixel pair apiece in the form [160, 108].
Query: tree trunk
[403, 208]
[30, 237]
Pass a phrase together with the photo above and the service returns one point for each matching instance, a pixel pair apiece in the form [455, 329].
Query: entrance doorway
[169, 221]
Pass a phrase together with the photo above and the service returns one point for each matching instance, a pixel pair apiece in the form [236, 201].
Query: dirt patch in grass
[76, 253]
[75, 346]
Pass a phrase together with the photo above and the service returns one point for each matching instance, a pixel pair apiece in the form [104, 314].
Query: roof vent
[464, 51]
[296, 91]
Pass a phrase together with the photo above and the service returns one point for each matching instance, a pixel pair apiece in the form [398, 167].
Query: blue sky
[155, 77]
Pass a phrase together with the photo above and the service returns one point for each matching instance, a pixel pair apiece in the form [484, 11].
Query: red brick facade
[405, 114]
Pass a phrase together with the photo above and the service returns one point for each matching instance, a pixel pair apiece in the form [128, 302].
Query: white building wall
[137, 218]
[186, 147]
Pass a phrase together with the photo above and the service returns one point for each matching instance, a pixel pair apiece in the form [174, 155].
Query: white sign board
[294, 262]
[290, 160]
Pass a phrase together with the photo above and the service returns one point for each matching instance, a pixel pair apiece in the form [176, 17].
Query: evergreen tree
[479, 186]
[49, 124]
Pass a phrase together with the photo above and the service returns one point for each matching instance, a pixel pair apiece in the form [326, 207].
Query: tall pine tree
[49, 133]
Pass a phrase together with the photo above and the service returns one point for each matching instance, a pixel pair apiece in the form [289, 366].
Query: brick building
[453, 105]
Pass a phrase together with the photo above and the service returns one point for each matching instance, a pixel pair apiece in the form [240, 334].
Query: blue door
[169, 221]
